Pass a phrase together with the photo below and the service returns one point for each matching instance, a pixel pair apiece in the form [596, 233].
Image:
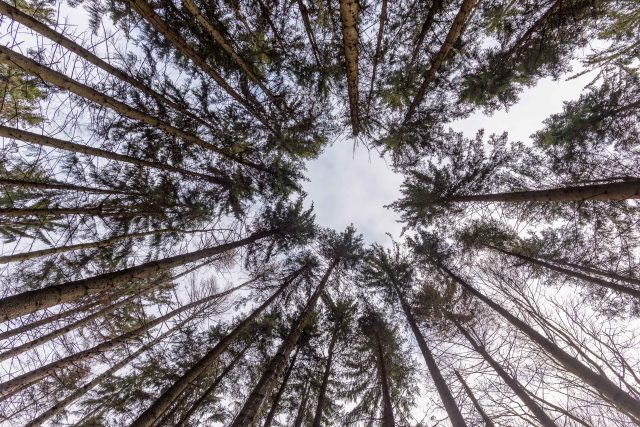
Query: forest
[162, 264]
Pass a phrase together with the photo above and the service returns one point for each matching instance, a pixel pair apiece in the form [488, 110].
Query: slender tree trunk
[213, 386]
[303, 405]
[595, 280]
[47, 141]
[304, 12]
[450, 405]
[37, 26]
[349, 10]
[603, 385]
[591, 269]
[91, 211]
[160, 405]
[540, 22]
[542, 417]
[435, 7]
[606, 192]
[283, 385]
[378, 54]
[387, 409]
[10, 387]
[250, 412]
[430, 73]
[31, 301]
[57, 185]
[317, 419]
[487, 420]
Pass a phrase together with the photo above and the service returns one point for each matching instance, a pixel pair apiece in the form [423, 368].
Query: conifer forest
[162, 262]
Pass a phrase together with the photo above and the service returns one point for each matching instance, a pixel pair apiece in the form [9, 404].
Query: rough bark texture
[542, 417]
[613, 191]
[387, 409]
[162, 403]
[31, 301]
[487, 421]
[603, 385]
[317, 418]
[250, 412]
[283, 385]
[430, 73]
[349, 16]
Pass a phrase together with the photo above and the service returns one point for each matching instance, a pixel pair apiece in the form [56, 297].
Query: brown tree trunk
[303, 405]
[304, 12]
[542, 417]
[430, 73]
[450, 405]
[435, 7]
[603, 385]
[317, 419]
[251, 409]
[378, 53]
[57, 185]
[47, 141]
[349, 10]
[283, 385]
[606, 192]
[387, 409]
[487, 421]
[31, 301]
[160, 405]
[595, 280]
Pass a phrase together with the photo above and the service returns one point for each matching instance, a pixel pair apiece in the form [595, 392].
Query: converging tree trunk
[349, 10]
[377, 56]
[435, 7]
[304, 12]
[283, 385]
[487, 420]
[57, 186]
[317, 418]
[303, 405]
[387, 409]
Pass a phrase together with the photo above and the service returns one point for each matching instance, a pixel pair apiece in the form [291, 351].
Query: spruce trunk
[283, 385]
[303, 405]
[57, 185]
[317, 419]
[487, 421]
[387, 409]
[349, 10]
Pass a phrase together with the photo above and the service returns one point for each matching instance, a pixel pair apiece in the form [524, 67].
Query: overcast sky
[353, 187]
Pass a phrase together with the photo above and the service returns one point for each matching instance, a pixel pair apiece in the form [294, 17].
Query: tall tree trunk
[213, 386]
[31, 301]
[160, 405]
[57, 185]
[37, 26]
[595, 280]
[591, 269]
[283, 385]
[603, 385]
[10, 387]
[435, 7]
[387, 409]
[430, 73]
[487, 420]
[349, 10]
[250, 412]
[304, 12]
[542, 417]
[377, 56]
[317, 419]
[47, 141]
[303, 405]
[450, 405]
[99, 211]
[540, 22]
[606, 192]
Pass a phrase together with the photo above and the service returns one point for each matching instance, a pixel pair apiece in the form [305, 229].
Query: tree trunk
[349, 16]
[303, 405]
[304, 12]
[37, 26]
[472, 397]
[387, 409]
[436, 5]
[430, 73]
[10, 387]
[513, 383]
[283, 385]
[91, 211]
[603, 385]
[317, 419]
[540, 22]
[250, 412]
[606, 192]
[590, 269]
[378, 53]
[57, 185]
[595, 280]
[48, 141]
[213, 386]
[450, 405]
[160, 405]
[31, 301]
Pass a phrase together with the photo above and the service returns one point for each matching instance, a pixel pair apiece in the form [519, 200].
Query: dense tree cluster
[161, 267]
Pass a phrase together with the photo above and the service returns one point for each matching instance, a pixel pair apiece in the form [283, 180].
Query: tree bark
[47, 141]
[304, 12]
[160, 405]
[31, 301]
[540, 22]
[450, 405]
[542, 417]
[591, 269]
[487, 420]
[595, 280]
[303, 406]
[436, 5]
[57, 185]
[349, 16]
[387, 409]
[603, 385]
[250, 412]
[378, 53]
[606, 192]
[430, 73]
[283, 385]
[317, 419]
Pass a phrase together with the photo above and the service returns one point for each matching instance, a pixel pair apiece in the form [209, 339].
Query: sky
[353, 186]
